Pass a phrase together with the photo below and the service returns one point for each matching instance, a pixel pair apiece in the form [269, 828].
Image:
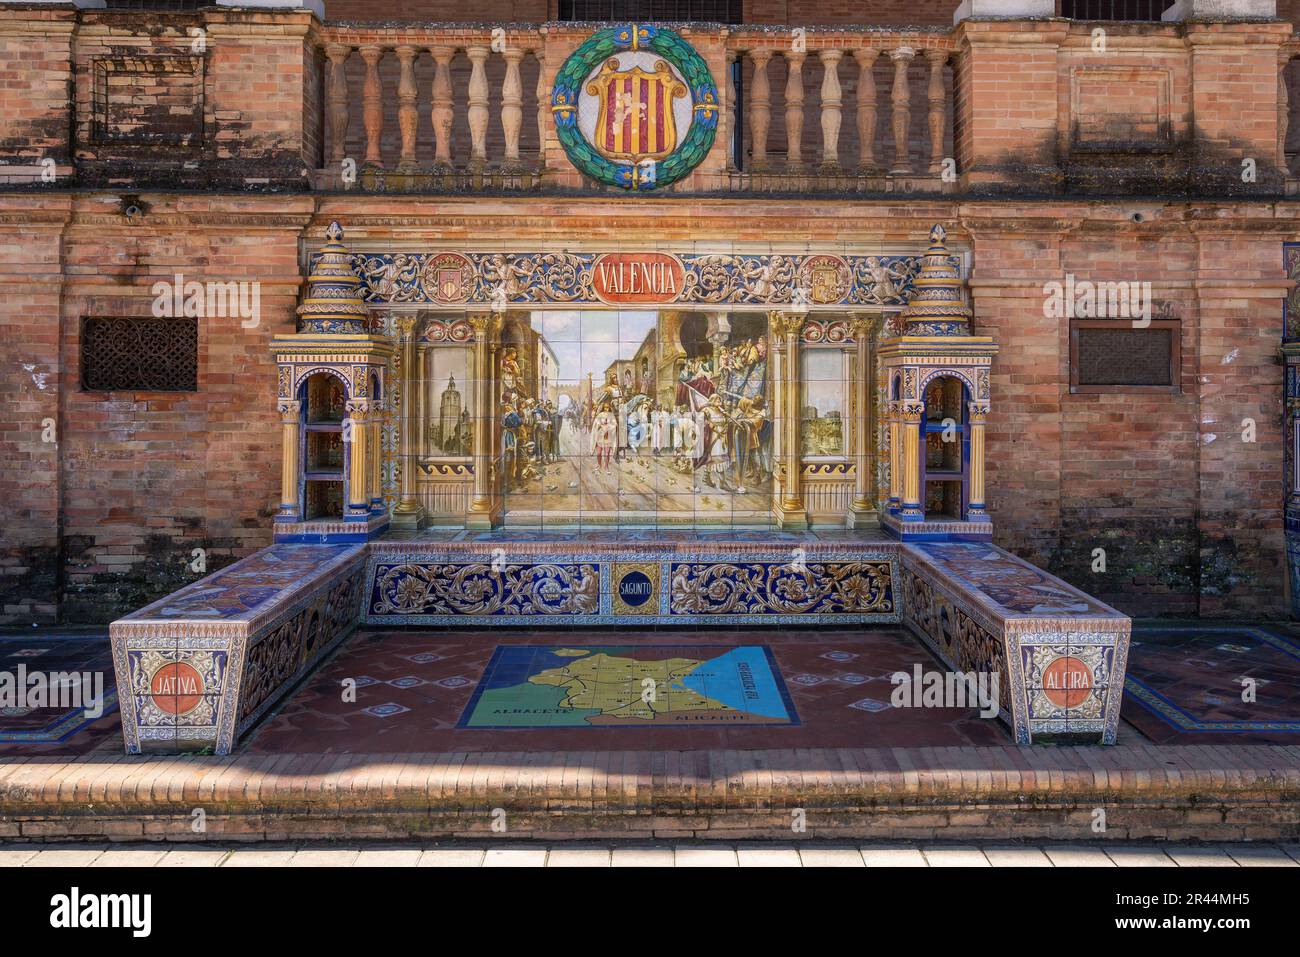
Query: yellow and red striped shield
[634, 120]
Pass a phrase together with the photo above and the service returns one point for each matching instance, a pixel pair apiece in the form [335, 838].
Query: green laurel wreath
[599, 47]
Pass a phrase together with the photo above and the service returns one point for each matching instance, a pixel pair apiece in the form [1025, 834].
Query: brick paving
[655, 855]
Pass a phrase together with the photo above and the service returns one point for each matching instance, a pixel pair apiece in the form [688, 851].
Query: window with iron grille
[139, 355]
[1108, 355]
[701, 11]
[1142, 11]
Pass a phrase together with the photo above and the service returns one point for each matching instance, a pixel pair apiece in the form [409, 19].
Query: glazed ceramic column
[372, 105]
[407, 110]
[901, 100]
[478, 107]
[290, 436]
[787, 327]
[480, 506]
[911, 424]
[938, 104]
[863, 509]
[512, 106]
[895, 457]
[831, 113]
[794, 110]
[760, 105]
[376, 446]
[442, 109]
[355, 429]
[866, 110]
[976, 506]
[408, 513]
[338, 100]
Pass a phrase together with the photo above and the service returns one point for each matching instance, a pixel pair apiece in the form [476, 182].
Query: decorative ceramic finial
[938, 304]
[333, 303]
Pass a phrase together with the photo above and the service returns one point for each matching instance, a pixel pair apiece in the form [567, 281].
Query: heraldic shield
[635, 117]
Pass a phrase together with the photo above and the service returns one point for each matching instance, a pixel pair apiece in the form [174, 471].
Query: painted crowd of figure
[717, 429]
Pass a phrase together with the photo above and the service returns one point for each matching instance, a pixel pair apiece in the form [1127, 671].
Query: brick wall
[136, 481]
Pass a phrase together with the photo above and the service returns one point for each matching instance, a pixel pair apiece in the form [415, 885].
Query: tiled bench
[1060, 654]
[200, 667]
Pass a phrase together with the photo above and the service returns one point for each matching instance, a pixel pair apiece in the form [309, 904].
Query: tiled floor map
[546, 686]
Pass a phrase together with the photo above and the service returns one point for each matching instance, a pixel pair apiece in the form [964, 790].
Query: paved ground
[654, 855]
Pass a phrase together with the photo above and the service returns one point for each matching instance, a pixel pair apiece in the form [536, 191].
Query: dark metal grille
[139, 355]
[704, 11]
[1124, 356]
[1143, 11]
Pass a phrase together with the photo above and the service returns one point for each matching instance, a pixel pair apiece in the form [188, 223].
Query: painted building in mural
[950, 273]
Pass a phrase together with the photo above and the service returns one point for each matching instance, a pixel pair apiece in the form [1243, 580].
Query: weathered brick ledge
[1147, 792]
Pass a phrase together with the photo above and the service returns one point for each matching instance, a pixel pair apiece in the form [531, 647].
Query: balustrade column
[290, 419]
[441, 111]
[938, 103]
[760, 102]
[543, 93]
[372, 105]
[478, 107]
[407, 109]
[794, 110]
[901, 99]
[512, 105]
[866, 110]
[338, 100]
[831, 113]
[408, 512]
[376, 446]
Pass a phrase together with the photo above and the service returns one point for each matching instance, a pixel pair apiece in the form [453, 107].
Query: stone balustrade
[897, 89]
[420, 107]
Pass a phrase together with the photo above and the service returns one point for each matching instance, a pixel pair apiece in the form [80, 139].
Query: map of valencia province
[549, 686]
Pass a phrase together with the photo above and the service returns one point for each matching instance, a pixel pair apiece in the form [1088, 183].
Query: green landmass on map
[615, 686]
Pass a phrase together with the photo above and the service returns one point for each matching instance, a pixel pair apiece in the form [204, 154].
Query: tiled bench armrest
[197, 669]
[1060, 654]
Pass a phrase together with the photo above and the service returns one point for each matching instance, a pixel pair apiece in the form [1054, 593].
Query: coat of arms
[635, 106]
[634, 113]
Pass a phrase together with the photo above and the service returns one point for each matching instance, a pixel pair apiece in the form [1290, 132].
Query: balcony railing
[469, 108]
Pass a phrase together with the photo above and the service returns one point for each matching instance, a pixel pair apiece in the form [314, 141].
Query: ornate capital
[289, 411]
[978, 412]
[865, 325]
[406, 323]
[485, 326]
[358, 409]
[785, 323]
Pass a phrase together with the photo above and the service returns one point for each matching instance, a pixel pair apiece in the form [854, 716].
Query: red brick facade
[105, 515]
